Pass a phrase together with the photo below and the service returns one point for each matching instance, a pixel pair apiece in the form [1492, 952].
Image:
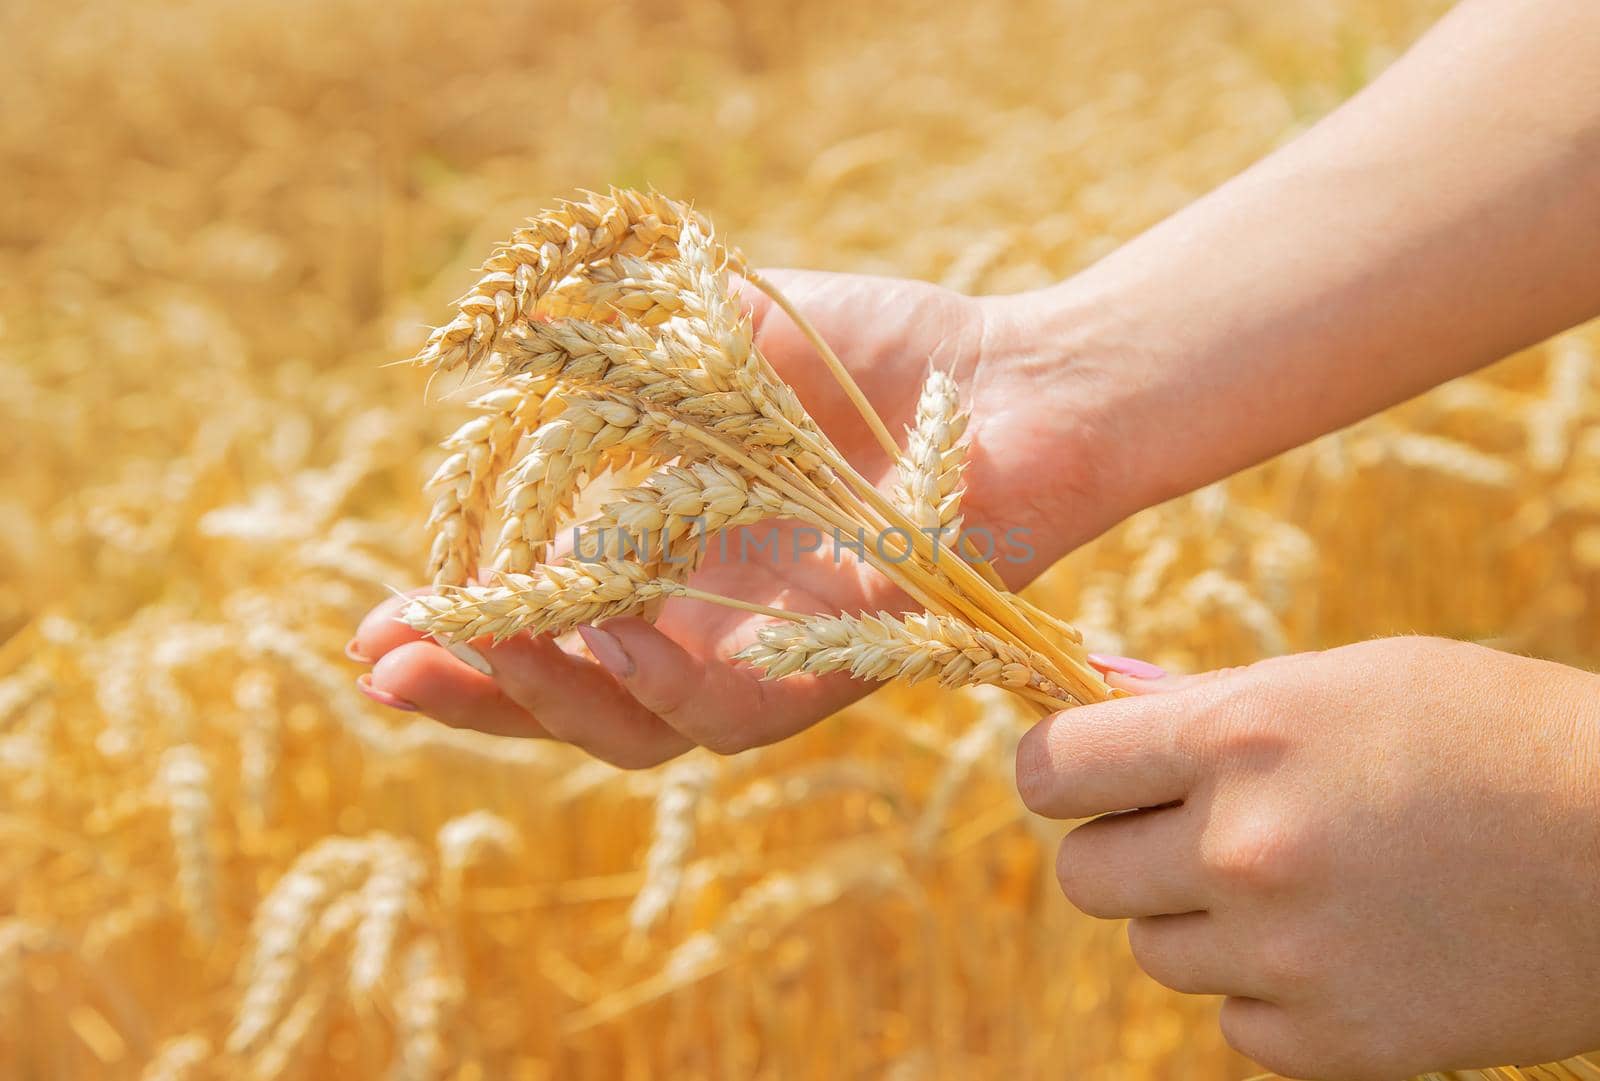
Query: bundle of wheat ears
[619, 355]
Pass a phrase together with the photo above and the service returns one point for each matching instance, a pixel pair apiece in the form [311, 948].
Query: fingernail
[383, 698]
[352, 649]
[607, 650]
[1127, 666]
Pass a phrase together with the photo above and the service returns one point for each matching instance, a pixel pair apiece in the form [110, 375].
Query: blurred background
[219, 220]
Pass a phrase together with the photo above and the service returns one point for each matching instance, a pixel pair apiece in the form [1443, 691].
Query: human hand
[1387, 856]
[650, 691]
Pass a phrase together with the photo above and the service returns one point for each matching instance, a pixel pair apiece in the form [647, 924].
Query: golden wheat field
[219, 221]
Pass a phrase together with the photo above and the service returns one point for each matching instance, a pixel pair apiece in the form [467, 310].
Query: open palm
[648, 691]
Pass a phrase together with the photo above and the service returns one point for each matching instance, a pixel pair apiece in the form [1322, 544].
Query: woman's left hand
[1386, 856]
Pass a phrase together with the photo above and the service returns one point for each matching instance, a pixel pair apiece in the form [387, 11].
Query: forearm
[1446, 216]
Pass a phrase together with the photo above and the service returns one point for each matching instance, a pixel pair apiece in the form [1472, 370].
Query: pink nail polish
[1127, 666]
[352, 650]
[608, 651]
[383, 698]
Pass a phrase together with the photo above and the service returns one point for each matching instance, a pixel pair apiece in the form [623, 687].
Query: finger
[1128, 673]
[380, 631]
[424, 675]
[1140, 863]
[1264, 1032]
[1189, 954]
[1141, 677]
[718, 706]
[1111, 756]
[576, 700]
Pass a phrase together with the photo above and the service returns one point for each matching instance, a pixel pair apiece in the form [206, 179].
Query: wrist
[1054, 352]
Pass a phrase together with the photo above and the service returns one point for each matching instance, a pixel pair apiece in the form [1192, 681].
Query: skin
[672, 688]
[1386, 857]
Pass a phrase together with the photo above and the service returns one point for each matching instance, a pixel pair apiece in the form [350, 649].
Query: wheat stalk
[655, 362]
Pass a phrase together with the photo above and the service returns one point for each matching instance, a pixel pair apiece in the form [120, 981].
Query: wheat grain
[672, 371]
[649, 293]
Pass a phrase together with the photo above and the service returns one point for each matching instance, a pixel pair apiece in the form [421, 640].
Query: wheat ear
[186, 783]
[561, 455]
[929, 487]
[669, 519]
[463, 487]
[910, 647]
[551, 247]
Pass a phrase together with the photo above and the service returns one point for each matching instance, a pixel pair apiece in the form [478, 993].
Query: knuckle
[1284, 963]
[1077, 880]
[1259, 855]
[1315, 1049]
[1245, 1028]
[667, 698]
[723, 739]
[1152, 951]
[1035, 774]
[636, 760]
[1249, 725]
